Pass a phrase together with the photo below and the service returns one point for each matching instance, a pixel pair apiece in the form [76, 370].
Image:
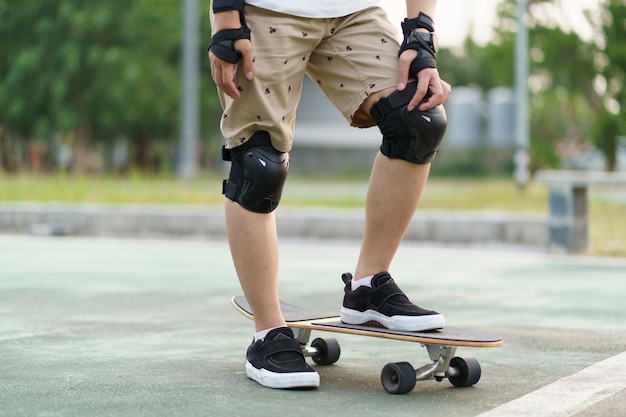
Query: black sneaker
[385, 305]
[278, 362]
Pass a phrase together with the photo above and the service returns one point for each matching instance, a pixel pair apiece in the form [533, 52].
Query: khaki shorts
[347, 57]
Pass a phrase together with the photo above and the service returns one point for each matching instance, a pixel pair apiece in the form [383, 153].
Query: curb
[102, 220]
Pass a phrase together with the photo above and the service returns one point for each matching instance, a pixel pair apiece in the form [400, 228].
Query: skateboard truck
[441, 356]
[324, 351]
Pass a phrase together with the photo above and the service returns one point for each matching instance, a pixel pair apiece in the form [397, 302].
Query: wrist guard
[222, 44]
[226, 5]
[422, 21]
[426, 49]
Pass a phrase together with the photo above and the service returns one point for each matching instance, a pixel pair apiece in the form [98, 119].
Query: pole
[521, 158]
[189, 96]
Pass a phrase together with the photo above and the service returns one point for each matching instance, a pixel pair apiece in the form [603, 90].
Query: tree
[585, 76]
[94, 70]
[486, 66]
[577, 85]
[610, 82]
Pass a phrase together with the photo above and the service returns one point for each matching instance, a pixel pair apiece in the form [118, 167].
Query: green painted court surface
[92, 327]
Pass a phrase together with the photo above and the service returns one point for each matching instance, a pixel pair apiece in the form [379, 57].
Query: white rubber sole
[401, 323]
[282, 380]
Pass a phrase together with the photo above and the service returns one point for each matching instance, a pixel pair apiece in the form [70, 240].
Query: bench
[568, 205]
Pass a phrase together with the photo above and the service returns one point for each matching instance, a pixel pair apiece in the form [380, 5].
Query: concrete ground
[106, 327]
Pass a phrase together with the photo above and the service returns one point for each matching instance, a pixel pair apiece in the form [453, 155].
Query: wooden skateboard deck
[396, 378]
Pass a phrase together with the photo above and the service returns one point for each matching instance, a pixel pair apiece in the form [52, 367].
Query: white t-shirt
[315, 8]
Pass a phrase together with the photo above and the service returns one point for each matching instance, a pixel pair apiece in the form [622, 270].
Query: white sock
[261, 335]
[366, 281]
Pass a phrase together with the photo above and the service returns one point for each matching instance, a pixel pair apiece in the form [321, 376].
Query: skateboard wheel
[464, 372]
[327, 351]
[398, 378]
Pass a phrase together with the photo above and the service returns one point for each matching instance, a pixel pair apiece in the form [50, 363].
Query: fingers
[404, 64]
[431, 90]
[423, 82]
[440, 92]
[223, 72]
[245, 47]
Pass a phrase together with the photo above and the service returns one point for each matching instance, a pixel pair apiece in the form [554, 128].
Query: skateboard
[398, 377]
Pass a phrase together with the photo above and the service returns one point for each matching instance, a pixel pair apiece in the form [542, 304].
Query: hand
[223, 72]
[426, 78]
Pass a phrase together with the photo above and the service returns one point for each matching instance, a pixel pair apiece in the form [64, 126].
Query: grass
[453, 194]
[108, 189]
[607, 226]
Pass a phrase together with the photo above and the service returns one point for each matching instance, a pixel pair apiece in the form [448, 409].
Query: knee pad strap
[415, 135]
[257, 174]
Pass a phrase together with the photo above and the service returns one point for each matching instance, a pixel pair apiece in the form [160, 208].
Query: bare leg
[394, 191]
[254, 248]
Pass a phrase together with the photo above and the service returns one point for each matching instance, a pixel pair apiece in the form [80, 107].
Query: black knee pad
[410, 135]
[257, 174]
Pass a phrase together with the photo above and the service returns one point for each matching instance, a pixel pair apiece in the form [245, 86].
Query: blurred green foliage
[90, 73]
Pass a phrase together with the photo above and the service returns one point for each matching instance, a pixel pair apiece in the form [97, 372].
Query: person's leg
[254, 249]
[259, 128]
[394, 191]
[274, 360]
[267, 104]
[396, 185]
[393, 194]
[398, 178]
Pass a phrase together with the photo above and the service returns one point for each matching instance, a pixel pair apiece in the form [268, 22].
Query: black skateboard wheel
[327, 351]
[398, 378]
[464, 372]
